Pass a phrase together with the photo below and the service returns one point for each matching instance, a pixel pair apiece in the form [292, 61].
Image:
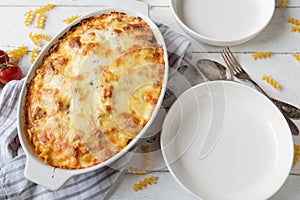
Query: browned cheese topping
[94, 91]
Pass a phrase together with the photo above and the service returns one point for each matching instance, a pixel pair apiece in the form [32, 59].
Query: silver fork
[286, 109]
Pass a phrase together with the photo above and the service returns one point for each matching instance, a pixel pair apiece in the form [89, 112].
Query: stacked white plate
[223, 22]
[226, 141]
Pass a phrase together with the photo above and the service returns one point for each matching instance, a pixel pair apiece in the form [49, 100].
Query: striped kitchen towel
[92, 185]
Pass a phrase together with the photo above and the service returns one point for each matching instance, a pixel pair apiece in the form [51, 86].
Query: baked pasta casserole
[94, 90]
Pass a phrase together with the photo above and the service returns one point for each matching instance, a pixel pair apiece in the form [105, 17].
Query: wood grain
[276, 38]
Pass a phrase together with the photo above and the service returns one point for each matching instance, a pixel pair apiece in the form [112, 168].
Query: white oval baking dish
[54, 178]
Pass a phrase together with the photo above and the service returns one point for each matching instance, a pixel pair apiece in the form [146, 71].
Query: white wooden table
[276, 38]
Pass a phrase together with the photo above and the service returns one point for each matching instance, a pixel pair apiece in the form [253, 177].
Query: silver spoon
[213, 70]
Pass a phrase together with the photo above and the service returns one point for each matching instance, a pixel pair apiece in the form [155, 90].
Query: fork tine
[233, 59]
[228, 62]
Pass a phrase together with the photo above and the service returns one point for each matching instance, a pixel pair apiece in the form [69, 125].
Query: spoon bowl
[213, 70]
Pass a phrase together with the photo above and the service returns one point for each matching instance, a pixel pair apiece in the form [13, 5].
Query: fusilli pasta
[271, 81]
[296, 154]
[282, 3]
[34, 39]
[69, 20]
[144, 183]
[29, 18]
[147, 165]
[145, 148]
[146, 151]
[42, 36]
[260, 55]
[44, 8]
[295, 28]
[133, 170]
[34, 54]
[17, 53]
[41, 20]
[294, 21]
[296, 56]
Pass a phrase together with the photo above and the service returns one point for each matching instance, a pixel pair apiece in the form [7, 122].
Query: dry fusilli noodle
[69, 20]
[294, 21]
[147, 166]
[44, 8]
[144, 183]
[146, 151]
[295, 28]
[296, 56]
[282, 3]
[42, 36]
[296, 154]
[34, 39]
[145, 148]
[133, 170]
[17, 53]
[260, 55]
[34, 54]
[271, 81]
[29, 17]
[41, 20]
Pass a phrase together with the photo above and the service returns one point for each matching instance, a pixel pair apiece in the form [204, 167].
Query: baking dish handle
[50, 177]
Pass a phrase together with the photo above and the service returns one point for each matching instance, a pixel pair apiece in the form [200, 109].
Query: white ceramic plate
[223, 23]
[223, 140]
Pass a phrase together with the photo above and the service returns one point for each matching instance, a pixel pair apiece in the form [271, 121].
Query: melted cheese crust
[94, 91]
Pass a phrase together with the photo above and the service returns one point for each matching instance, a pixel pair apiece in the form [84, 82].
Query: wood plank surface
[281, 66]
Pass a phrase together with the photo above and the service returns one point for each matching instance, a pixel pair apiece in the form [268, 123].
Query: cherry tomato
[9, 71]
[4, 58]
